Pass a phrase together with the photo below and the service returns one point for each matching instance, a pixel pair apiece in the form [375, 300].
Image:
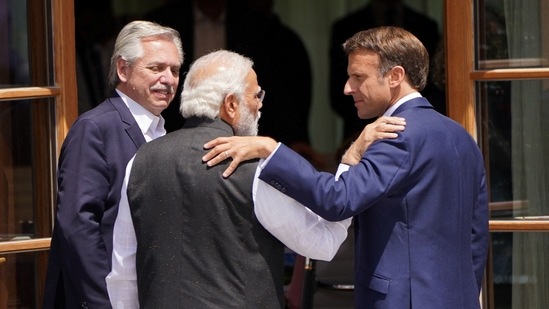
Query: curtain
[530, 141]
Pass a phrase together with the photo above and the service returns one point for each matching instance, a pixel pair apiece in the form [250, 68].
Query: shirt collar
[151, 125]
[401, 101]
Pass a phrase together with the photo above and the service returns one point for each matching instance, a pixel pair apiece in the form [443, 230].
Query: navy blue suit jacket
[420, 208]
[90, 173]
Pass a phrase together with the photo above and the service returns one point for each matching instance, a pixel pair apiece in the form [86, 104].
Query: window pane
[18, 280]
[512, 33]
[515, 129]
[520, 280]
[23, 30]
[26, 137]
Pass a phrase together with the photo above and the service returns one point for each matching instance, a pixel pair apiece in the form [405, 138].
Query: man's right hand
[239, 148]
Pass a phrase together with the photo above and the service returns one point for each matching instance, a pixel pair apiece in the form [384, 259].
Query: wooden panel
[28, 92]
[65, 66]
[24, 245]
[508, 74]
[519, 225]
[459, 63]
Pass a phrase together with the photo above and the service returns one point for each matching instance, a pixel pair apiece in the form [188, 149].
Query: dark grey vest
[199, 242]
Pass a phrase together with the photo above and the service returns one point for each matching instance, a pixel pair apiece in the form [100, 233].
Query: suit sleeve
[361, 187]
[480, 233]
[84, 182]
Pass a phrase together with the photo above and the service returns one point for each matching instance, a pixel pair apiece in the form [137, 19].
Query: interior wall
[312, 20]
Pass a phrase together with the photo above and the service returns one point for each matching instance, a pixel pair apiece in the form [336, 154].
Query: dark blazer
[420, 208]
[422, 26]
[90, 173]
[199, 243]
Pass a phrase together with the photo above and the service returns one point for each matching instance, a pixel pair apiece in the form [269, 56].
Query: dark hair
[395, 46]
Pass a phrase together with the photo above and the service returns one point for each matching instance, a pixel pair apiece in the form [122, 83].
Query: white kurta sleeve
[297, 227]
[122, 280]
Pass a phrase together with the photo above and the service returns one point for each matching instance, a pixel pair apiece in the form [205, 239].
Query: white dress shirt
[151, 126]
[295, 226]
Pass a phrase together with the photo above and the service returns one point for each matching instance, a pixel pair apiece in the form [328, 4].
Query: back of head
[210, 79]
[394, 46]
[128, 44]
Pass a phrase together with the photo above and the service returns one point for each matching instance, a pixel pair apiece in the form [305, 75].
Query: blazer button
[84, 305]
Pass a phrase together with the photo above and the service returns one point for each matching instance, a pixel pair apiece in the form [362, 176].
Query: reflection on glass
[516, 129]
[21, 162]
[14, 55]
[520, 280]
[511, 34]
[18, 281]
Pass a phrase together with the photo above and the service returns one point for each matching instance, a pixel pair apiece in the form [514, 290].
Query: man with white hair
[185, 237]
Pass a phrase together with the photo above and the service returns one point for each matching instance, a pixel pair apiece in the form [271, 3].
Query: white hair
[128, 44]
[210, 79]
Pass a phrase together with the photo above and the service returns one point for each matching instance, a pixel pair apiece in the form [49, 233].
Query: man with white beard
[185, 237]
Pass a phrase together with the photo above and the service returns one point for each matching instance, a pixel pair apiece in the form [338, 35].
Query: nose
[347, 89]
[168, 77]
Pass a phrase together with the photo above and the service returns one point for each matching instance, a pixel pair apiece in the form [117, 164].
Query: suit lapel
[132, 128]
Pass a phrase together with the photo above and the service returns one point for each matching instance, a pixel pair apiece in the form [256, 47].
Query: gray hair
[210, 79]
[128, 44]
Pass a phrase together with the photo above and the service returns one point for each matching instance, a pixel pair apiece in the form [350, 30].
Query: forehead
[251, 79]
[159, 48]
[363, 60]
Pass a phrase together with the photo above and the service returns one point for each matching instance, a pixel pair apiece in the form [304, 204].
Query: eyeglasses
[260, 95]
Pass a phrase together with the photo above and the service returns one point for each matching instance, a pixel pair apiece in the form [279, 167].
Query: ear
[122, 69]
[229, 108]
[396, 76]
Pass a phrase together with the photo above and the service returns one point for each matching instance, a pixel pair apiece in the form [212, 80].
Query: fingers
[215, 156]
[392, 120]
[231, 168]
[239, 148]
[385, 126]
[215, 142]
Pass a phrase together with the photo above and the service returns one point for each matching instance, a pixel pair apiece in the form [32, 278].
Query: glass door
[34, 84]
[498, 87]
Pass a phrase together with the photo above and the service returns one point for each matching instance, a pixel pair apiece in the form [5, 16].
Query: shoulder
[107, 114]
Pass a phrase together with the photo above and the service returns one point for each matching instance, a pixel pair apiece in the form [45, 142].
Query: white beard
[248, 124]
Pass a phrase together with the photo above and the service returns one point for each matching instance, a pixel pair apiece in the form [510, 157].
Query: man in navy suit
[145, 73]
[419, 201]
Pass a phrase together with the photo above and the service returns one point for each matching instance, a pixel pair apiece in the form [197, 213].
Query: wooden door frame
[461, 77]
[59, 27]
